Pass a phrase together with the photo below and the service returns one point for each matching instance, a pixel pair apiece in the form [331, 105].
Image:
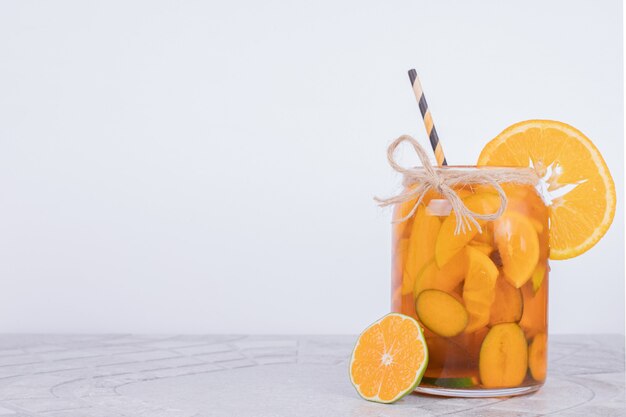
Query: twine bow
[443, 180]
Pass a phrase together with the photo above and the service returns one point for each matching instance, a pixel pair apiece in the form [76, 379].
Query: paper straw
[428, 119]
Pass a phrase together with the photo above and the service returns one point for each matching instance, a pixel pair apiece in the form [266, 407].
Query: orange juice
[481, 296]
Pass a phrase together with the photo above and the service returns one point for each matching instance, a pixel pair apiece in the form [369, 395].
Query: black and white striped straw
[428, 119]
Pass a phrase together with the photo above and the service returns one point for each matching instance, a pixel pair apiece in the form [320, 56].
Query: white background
[210, 166]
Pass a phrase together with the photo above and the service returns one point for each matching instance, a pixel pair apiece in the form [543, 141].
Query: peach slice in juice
[421, 247]
[441, 312]
[518, 245]
[503, 357]
[448, 243]
[479, 288]
[446, 278]
[537, 357]
[538, 275]
[508, 304]
[400, 252]
[402, 229]
[535, 315]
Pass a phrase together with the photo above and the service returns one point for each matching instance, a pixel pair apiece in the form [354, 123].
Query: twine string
[443, 181]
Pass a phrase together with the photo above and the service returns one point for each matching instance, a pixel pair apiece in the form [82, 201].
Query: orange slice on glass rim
[576, 182]
[389, 359]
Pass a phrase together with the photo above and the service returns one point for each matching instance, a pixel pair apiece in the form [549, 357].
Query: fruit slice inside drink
[468, 285]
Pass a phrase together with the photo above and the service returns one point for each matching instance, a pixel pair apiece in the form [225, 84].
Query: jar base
[477, 393]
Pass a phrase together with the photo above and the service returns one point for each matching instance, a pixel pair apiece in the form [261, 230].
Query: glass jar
[480, 296]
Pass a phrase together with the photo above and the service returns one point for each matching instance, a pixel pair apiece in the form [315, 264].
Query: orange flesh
[421, 247]
[538, 357]
[503, 360]
[448, 244]
[446, 278]
[458, 356]
[574, 174]
[518, 244]
[479, 290]
[386, 358]
[508, 304]
[441, 313]
[535, 315]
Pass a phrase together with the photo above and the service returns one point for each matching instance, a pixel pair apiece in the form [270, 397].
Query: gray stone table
[266, 376]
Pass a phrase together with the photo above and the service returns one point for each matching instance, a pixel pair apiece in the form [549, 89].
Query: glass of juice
[481, 296]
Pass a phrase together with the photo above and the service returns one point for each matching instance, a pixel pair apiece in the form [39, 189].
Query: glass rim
[478, 167]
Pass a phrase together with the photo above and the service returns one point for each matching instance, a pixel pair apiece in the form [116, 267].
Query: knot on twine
[443, 180]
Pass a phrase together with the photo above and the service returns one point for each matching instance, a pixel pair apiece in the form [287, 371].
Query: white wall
[210, 166]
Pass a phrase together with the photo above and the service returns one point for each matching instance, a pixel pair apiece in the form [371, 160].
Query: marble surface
[267, 376]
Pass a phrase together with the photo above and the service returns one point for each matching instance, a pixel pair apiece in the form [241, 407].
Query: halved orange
[580, 188]
[389, 359]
